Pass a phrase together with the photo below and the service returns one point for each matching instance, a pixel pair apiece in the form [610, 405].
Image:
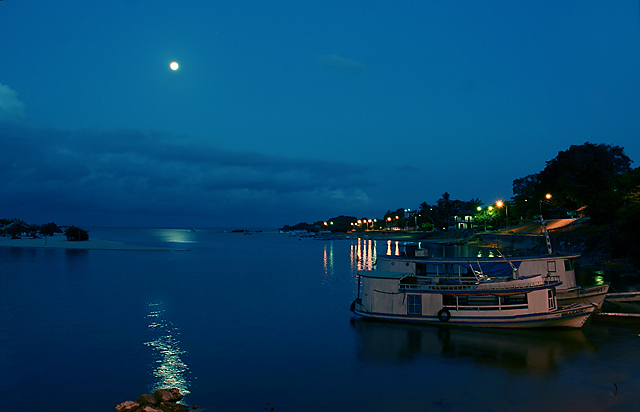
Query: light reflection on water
[176, 235]
[363, 254]
[396, 248]
[328, 264]
[169, 369]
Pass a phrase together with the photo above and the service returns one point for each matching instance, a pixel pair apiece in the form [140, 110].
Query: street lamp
[500, 203]
[548, 197]
[485, 217]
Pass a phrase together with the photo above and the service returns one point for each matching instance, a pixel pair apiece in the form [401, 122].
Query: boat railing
[518, 284]
[455, 288]
[551, 280]
[478, 308]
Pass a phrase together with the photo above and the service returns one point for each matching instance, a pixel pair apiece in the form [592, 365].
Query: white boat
[505, 303]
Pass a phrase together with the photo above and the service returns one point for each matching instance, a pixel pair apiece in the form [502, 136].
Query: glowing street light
[500, 203]
[548, 197]
[485, 217]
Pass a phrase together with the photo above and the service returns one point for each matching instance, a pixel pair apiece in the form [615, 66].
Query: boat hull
[572, 316]
[628, 297]
[594, 295]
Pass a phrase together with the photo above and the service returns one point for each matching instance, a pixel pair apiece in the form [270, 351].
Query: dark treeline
[16, 228]
[594, 181]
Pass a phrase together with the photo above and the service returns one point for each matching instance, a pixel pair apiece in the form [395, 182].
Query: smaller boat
[623, 297]
[618, 318]
[525, 302]
[622, 302]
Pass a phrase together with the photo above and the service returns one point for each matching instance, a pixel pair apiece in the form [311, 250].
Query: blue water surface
[247, 322]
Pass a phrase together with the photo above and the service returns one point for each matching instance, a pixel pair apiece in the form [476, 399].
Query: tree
[474, 204]
[584, 175]
[76, 234]
[341, 223]
[49, 229]
[14, 227]
[426, 217]
[395, 218]
[444, 210]
[627, 241]
[489, 217]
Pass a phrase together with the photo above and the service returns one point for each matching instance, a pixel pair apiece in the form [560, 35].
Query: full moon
[174, 65]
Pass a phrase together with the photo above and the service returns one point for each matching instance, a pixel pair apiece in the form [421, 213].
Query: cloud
[122, 176]
[335, 61]
[10, 107]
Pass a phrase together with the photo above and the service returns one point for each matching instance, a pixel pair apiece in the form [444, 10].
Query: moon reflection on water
[169, 370]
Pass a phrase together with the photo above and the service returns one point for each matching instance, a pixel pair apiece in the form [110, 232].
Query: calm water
[241, 320]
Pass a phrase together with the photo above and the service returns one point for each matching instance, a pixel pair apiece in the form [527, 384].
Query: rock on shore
[162, 400]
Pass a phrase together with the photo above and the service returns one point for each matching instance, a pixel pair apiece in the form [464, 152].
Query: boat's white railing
[478, 308]
[487, 286]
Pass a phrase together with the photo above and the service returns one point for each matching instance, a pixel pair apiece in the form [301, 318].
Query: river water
[247, 322]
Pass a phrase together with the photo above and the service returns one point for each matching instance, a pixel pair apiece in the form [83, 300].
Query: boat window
[448, 300]
[414, 304]
[568, 264]
[514, 299]
[488, 300]
[551, 266]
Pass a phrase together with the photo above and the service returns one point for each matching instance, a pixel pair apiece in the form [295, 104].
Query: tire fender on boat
[444, 315]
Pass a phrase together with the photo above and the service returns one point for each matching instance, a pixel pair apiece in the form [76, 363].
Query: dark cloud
[123, 174]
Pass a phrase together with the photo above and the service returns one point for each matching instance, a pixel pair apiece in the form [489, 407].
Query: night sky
[289, 111]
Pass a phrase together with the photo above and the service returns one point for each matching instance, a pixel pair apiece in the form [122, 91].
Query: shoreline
[413, 237]
[61, 242]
